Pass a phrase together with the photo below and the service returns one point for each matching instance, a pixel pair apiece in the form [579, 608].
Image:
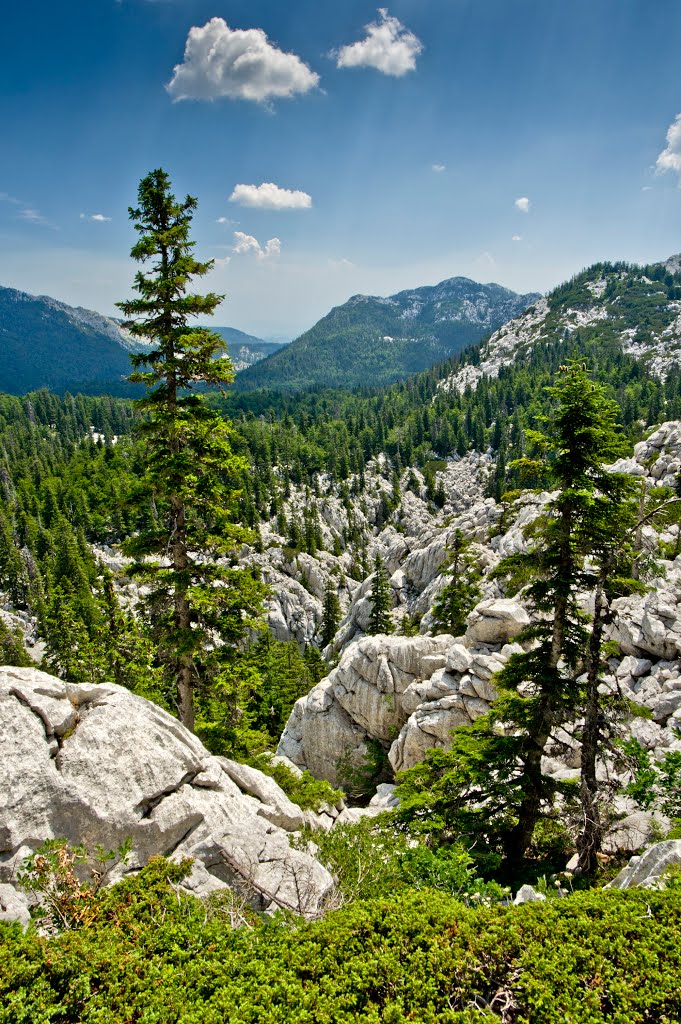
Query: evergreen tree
[192, 474]
[381, 598]
[491, 781]
[331, 614]
[462, 592]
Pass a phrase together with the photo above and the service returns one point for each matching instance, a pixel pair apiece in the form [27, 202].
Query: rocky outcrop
[649, 869]
[98, 764]
[407, 693]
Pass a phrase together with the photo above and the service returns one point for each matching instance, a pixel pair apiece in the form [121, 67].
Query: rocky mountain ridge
[637, 307]
[375, 340]
[47, 343]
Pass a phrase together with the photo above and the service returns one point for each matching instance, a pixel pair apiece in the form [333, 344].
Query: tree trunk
[591, 838]
[530, 807]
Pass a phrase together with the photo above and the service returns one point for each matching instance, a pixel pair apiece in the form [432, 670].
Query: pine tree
[331, 614]
[380, 620]
[192, 474]
[461, 593]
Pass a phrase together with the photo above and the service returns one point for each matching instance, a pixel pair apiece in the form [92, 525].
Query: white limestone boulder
[98, 764]
[649, 869]
[496, 621]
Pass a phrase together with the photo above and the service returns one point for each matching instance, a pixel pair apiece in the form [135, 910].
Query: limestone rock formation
[648, 869]
[98, 764]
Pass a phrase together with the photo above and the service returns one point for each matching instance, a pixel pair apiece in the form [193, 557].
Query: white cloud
[341, 264]
[34, 216]
[27, 213]
[98, 218]
[670, 157]
[269, 196]
[239, 64]
[245, 244]
[439, 168]
[221, 261]
[223, 220]
[523, 204]
[517, 238]
[389, 47]
[647, 188]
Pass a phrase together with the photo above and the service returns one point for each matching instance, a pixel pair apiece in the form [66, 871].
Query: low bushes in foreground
[151, 955]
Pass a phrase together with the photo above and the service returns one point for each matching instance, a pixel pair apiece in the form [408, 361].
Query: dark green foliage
[245, 710]
[381, 597]
[12, 650]
[331, 615]
[461, 592]
[655, 784]
[305, 790]
[154, 955]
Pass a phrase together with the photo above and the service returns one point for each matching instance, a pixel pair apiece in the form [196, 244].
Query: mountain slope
[636, 308]
[372, 340]
[245, 349]
[45, 343]
[48, 344]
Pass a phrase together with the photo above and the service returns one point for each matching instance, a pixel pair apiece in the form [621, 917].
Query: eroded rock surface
[97, 764]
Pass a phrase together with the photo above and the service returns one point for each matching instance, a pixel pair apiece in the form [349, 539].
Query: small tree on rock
[331, 614]
[461, 592]
[381, 597]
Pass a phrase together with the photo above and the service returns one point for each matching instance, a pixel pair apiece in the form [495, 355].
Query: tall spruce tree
[491, 781]
[192, 475]
[381, 598]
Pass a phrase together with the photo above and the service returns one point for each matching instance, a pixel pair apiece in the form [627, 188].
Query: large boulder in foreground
[96, 764]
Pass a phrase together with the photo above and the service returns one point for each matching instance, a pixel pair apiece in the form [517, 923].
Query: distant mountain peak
[375, 340]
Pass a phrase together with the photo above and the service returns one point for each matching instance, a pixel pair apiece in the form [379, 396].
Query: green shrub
[154, 956]
[305, 790]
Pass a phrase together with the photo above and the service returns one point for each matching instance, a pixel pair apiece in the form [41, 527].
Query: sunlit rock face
[97, 765]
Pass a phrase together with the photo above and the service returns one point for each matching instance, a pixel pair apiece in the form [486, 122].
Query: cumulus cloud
[245, 244]
[523, 204]
[516, 238]
[670, 157]
[388, 46]
[239, 64]
[439, 168]
[98, 218]
[269, 196]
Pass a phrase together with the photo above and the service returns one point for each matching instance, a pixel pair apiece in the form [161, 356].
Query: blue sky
[410, 142]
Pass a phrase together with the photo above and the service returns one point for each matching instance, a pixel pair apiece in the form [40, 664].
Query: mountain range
[373, 340]
[633, 308]
[45, 343]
